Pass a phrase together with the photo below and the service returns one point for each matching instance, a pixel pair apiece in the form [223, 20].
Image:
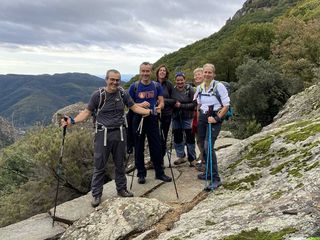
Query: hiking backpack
[216, 93]
[186, 89]
[102, 101]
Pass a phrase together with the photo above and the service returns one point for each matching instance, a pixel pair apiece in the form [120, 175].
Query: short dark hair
[146, 63]
[112, 70]
[167, 71]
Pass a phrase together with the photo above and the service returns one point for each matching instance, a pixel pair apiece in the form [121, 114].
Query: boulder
[117, 218]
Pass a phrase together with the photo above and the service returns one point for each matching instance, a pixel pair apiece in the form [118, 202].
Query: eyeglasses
[114, 79]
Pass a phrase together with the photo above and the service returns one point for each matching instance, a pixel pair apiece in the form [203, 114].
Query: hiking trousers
[165, 122]
[151, 130]
[101, 154]
[182, 128]
[203, 141]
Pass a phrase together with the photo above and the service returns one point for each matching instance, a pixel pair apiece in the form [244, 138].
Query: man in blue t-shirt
[147, 94]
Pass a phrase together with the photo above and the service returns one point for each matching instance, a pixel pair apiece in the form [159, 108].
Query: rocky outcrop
[251, 6]
[299, 107]
[271, 184]
[117, 218]
[35, 228]
[72, 110]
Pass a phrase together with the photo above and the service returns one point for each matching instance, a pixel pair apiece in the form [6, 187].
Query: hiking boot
[179, 161]
[200, 167]
[141, 180]
[164, 178]
[216, 184]
[202, 176]
[213, 186]
[198, 164]
[192, 163]
[125, 193]
[95, 201]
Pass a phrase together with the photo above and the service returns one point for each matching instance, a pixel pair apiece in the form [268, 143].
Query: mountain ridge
[32, 99]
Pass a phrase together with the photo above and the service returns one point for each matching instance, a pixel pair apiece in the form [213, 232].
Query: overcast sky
[56, 36]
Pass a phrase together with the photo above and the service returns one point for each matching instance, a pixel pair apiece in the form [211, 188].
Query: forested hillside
[29, 99]
[269, 51]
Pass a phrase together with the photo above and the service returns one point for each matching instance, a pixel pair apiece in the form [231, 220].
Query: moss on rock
[259, 147]
[302, 133]
[237, 184]
[256, 234]
[277, 195]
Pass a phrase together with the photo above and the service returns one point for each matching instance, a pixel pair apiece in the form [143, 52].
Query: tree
[297, 50]
[250, 40]
[260, 93]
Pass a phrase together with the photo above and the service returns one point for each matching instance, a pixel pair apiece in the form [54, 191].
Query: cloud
[116, 26]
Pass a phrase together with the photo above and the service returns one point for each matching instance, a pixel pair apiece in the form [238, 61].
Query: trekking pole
[209, 159]
[59, 170]
[170, 166]
[134, 168]
[210, 153]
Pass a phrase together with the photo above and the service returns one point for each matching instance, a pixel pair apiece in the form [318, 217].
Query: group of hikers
[194, 111]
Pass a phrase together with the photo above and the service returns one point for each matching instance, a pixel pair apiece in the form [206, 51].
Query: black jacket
[169, 102]
[187, 107]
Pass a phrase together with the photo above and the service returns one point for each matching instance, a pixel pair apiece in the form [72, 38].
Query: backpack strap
[213, 91]
[156, 85]
[121, 93]
[201, 88]
[102, 100]
[187, 92]
[216, 92]
[135, 89]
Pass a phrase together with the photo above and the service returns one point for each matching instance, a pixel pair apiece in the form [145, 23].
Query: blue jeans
[181, 128]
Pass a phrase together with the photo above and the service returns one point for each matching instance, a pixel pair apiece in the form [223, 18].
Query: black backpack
[102, 101]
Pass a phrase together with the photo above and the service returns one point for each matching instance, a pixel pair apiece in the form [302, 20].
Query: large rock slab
[151, 182]
[226, 213]
[73, 210]
[270, 183]
[225, 142]
[188, 186]
[38, 227]
[117, 218]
